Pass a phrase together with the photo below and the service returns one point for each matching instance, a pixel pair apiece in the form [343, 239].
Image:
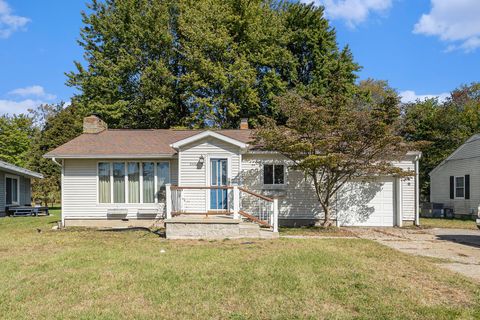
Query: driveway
[460, 248]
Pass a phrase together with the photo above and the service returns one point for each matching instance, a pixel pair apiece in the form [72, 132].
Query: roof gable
[469, 149]
[208, 134]
[130, 143]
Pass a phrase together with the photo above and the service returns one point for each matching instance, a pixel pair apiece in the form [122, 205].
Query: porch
[233, 212]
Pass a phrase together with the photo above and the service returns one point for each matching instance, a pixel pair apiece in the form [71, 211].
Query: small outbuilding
[15, 186]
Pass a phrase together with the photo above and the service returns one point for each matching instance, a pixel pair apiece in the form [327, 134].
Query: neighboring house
[15, 186]
[455, 182]
[140, 175]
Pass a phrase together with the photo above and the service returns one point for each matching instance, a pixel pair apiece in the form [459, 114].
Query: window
[459, 187]
[104, 185]
[148, 172]
[119, 182]
[132, 182]
[163, 177]
[12, 190]
[273, 174]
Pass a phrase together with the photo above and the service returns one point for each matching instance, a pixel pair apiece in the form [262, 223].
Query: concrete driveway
[460, 248]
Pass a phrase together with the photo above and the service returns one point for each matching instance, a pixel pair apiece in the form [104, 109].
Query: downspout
[417, 190]
[61, 189]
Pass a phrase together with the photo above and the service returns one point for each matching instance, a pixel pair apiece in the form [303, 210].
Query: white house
[111, 177]
[455, 182]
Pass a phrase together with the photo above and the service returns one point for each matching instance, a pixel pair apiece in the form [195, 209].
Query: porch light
[201, 160]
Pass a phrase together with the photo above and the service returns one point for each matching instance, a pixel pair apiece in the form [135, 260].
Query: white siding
[298, 199]
[408, 190]
[193, 174]
[440, 184]
[80, 191]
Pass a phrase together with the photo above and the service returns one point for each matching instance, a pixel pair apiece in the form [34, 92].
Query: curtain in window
[163, 177]
[133, 182]
[104, 182]
[148, 182]
[119, 182]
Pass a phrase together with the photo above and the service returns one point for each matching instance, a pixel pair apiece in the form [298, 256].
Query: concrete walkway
[459, 247]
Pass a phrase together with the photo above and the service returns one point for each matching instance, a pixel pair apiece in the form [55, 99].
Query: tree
[442, 127]
[16, 133]
[334, 138]
[158, 64]
[59, 125]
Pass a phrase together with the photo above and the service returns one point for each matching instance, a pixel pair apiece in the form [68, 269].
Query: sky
[423, 48]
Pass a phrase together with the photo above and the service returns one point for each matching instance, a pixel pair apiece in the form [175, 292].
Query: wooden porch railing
[246, 203]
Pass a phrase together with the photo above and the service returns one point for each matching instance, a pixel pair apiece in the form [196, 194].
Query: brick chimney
[244, 124]
[93, 124]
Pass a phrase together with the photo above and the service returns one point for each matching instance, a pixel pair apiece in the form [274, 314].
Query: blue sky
[422, 47]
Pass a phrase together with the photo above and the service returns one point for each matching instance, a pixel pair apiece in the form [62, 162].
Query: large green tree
[201, 63]
[442, 126]
[56, 126]
[16, 133]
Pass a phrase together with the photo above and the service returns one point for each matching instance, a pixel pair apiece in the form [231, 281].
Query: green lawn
[317, 231]
[105, 275]
[447, 223]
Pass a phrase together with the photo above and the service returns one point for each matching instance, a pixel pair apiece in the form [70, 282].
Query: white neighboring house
[136, 176]
[455, 182]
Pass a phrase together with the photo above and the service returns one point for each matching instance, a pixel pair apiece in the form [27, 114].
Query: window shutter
[467, 186]
[452, 187]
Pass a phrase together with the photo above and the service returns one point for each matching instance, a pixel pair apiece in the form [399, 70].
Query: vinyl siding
[80, 191]
[191, 173]
[25, 191]
[2, 194]
[440, 184]
[298, 200]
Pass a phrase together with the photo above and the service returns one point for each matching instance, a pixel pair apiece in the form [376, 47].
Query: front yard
[447, 223]
[107, 275]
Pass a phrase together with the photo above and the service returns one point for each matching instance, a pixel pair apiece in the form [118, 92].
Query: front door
[218, 178]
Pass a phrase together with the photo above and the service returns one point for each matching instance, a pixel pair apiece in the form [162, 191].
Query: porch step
[214, 228]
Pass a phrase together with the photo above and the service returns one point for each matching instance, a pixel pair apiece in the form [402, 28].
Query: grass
[447, 223]
[317, 231]
[70, 274]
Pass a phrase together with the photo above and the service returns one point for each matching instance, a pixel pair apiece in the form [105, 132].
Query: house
[15, 186]
[455, 182]
[110, 177]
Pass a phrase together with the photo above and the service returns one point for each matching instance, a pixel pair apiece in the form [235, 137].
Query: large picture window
[132, 182]
[104, 185]
[148, 170]
[273, 174]
[163, 177]
[119, 182]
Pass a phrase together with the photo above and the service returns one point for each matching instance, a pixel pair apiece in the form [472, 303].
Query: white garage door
[367, 204]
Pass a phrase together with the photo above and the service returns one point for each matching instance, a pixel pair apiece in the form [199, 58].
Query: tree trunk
[327, 221]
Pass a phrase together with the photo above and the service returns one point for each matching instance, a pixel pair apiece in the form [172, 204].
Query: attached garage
[367, 204]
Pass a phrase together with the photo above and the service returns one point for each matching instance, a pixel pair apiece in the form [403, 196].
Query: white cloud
[353, 12]
[410, 96]
[33, 91]
[9, 23]
[456, 22]
[17, 107]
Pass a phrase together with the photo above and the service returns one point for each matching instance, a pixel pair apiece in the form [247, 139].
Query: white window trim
[11, 176]
[274, 185]
[455, 187]
[125, 162]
